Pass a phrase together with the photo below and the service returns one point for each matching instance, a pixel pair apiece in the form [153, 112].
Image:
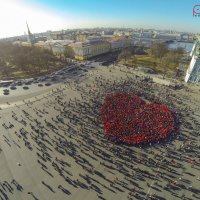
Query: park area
[158, 59]
[20, 62]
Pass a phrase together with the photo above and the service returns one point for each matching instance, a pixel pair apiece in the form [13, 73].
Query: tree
[180, 50]
[134, 60]
[125, 54]
[4, 69]
[158, 50]
[139, 50]
[69, 52]
[164, 64]
[28, 60]
[172, 58]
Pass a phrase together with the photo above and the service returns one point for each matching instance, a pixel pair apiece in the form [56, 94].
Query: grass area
[18, 74]
[146, 61]
[149, 62]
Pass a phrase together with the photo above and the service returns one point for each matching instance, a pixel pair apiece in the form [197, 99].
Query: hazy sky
[45, 15]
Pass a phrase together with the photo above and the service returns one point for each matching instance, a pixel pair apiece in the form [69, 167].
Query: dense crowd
[127, 118]
[62, 133]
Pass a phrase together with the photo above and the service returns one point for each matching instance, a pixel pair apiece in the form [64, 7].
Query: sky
[43, 15]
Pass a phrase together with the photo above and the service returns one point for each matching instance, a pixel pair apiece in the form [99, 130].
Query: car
[13, 84]
[54, 79]
[42, 79]
[13, 88]
[28, 83]
[6, 91]
[47, 84]
[5, 84]
[19, 83]
[71, 69]
[25, 87]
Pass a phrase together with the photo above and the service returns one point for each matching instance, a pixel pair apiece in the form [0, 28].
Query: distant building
[81, 37]
[32, 39]
[193, 72]
[168, 36]
[137, 34]
[42, 44]
[81, 49]
[122, 33]
[30, 36]
[97, 45]
[147, 34]
[58, 47]
[107, 32]
[85, 50]
[94, 38]
[185, 37]
[142, 34]
[60, 35]
[118, 43]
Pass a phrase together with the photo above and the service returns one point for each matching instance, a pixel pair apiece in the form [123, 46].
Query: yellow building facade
[85, 50]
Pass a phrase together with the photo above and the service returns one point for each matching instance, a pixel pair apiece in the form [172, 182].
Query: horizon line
[102, 27]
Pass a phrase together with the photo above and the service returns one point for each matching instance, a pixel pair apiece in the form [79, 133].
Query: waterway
[186, 46]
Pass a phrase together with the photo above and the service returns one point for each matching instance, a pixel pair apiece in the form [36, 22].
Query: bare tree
[159, 50]
[4, 69]
[134, 60]
[69, 52]
[125, 54]
[171, 58]
[29, 60]
[164, 64]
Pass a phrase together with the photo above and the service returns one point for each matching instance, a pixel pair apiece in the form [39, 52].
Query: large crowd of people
[62, 134]
[127, 118]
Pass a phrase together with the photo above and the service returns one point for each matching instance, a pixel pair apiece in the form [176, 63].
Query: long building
[193, 71]
[85, 50]
[96, 45]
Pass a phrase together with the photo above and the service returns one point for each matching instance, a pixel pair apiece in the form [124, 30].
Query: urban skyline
[43, 15]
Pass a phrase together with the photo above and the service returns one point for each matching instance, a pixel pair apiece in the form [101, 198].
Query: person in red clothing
[127, 118]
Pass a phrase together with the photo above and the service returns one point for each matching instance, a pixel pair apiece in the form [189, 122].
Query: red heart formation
[129, 119]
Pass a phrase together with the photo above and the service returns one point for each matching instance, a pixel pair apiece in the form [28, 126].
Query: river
[184, 45]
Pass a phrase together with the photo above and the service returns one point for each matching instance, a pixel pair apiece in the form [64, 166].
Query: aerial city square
[99, 100]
